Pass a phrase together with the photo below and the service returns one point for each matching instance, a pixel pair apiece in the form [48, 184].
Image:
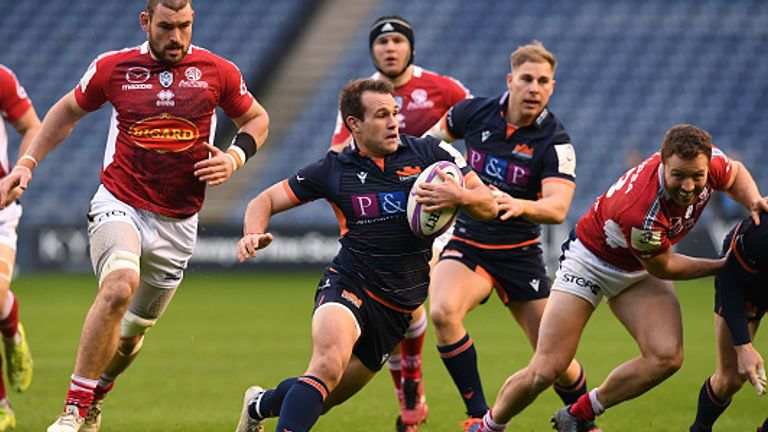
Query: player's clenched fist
[250, 243]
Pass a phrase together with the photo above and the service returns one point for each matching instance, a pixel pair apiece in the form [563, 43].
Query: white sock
[417, 328]
[597, 407]
[491, 425]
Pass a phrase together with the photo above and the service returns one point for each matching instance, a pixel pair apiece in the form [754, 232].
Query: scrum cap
[392, 24]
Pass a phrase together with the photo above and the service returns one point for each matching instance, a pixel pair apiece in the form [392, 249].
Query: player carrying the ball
[364, 300]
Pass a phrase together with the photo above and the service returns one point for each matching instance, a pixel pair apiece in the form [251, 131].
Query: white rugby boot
[68, 421]
[246, 423]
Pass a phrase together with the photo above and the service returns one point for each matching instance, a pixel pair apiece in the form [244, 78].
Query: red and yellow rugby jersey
[161, 117]
[636, 217]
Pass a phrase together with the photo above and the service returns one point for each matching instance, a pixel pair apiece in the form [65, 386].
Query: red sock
[101, 392]
[80, 393]
[410, 349]
[9, 324]
[582, 409]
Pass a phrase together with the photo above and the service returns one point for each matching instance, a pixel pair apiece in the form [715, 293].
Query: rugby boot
[20, 363]
[402, 427]
[7, 417]
[413, 405]
[564, 421]
[93, 416]
[472, 424]
[68, 421]
[246, 423]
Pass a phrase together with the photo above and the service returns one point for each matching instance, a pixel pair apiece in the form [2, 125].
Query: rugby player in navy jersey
[741, 299]
[423, 97]
[365, 298]
[517, 145]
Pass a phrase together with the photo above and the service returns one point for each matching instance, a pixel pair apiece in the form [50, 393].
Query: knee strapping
[134, 325]
[117, 260]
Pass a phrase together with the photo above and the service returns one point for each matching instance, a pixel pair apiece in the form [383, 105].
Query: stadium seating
[627, 72]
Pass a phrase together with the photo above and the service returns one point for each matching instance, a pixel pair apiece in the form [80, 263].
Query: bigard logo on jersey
[164, 133]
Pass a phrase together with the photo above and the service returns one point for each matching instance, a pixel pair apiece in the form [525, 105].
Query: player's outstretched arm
[27, 126]
[55, 128]
[255, 236]
[675, 266]
[744, 190]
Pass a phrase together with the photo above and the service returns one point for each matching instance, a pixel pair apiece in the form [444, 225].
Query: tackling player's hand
[439, 196]
[757, 207]
[13, 185]
[509, 207]
[215, 170]
[751, 364]
[250, 243]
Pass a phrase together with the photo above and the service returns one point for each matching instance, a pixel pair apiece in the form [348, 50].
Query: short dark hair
[687, 142]
[351, 97]
[176, 5]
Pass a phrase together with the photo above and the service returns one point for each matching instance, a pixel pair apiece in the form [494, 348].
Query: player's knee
[328, 368]
[133, 325]
[116, 294]
[444, 317]
[543, 374]
[669, 361]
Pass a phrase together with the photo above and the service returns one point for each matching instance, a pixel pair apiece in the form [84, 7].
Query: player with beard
[142, 223]
[621, 249]
[422, 97]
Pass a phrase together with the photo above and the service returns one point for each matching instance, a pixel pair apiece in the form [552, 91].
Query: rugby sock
[461, 361]
[395, 371]
[491, 426]
[584, 409]
[570, 394]
[9, 318]
[709, 408]
[80, 393]
[303, 405]
[105, 384]
[3, 393]
[410, 348]
[269, 403]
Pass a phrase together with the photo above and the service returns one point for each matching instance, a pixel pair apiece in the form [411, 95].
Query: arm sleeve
[456, 119]
[14, 102]
[340, 133]
[92, 90]
[644, 241]
[456, 92]
[235, 97]
[310, 182]
[730, 284]
[720, 169]
[560, 161]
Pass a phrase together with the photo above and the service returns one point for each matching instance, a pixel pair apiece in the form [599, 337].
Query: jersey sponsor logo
[376, 205]
[165, 98]
[523, 151]
[193, 76]
[164, 133]
[498, 169]
[566, 159]
[348, 296]
[243, 87]
[165, 78]
[137, 75]
[581, 282]
[452, 253]
[645, 240]
[408, 172]
[420, 100]
[543, 116]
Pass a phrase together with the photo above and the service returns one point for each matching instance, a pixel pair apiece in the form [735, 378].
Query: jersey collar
[540, 119]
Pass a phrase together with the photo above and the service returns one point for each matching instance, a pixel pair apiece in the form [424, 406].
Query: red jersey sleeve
[340, 134]
[646, 241]
[14, 102]
[720, 169]
[91, 92]
[236, 100]
[456, 92]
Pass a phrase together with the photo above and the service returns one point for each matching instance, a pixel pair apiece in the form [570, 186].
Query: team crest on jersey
[165, 78]
[420, 100]
[399, 102]
[523, 151]
[408, 172]
[164, 133]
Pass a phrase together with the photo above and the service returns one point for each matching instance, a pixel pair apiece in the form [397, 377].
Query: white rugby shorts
[166, 243]
[583, 274]
[9, 221]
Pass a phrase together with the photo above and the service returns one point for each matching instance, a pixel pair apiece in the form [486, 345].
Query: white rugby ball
[431, 224]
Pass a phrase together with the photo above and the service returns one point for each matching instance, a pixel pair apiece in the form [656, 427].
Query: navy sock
[461, 361]
[271, 401]
[569, 395]
[302, 405]
[709, 409]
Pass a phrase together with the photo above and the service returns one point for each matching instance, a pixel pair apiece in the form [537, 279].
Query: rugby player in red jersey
[422, 97]
[622, 249]
[142, 224]
[17, 110]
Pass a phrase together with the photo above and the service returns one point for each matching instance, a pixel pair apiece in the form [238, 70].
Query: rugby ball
[431, 224]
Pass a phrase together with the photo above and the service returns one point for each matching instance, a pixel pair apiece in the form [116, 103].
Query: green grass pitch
[224, 332]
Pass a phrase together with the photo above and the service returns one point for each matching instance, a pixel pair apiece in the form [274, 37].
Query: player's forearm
[546, 210]
[682, 267]
[257, 214]
[479, 203]
[56, 127]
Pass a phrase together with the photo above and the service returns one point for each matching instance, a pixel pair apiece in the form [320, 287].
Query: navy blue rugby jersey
[742, 284]
[370, 197]
[515, 160]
